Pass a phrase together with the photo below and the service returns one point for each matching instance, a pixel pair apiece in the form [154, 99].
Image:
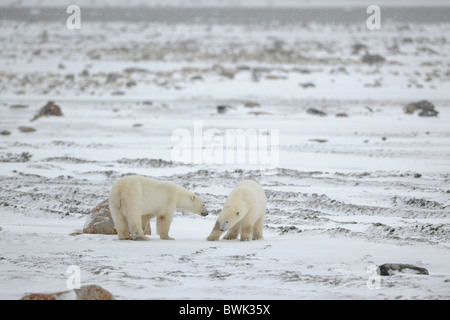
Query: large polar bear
[243, 212]
[134, 200]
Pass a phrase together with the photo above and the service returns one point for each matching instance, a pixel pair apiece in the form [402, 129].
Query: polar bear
[134, 200]
[243, 212]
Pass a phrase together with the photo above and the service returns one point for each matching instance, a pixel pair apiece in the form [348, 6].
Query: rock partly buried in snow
[101, 222]
[224, 108]
[425, 108]
[26, 129]
[388, 269]
[372, 58]
[306, 85]
[252, 104]
[316, 112]
[50, 109]
[89, 292]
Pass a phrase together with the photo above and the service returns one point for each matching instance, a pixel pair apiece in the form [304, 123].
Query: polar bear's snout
[204, 211]
[224, 226]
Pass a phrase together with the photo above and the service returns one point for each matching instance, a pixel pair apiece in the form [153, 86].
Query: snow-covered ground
[366, 187]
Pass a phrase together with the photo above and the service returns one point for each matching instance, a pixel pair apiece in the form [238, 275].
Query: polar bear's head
[196, 205]
[231, 214]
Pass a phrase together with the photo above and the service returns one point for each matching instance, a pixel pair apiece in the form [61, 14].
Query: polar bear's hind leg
[258, 229]
[163, 225]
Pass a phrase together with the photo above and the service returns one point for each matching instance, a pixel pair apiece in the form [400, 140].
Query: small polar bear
[243, 212]
[134, 200]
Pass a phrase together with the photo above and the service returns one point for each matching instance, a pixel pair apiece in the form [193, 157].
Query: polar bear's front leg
[246, 232]
[163, 223]
[233, 233]
[215, 233]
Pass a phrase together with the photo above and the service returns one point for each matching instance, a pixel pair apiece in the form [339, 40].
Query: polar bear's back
[253, 193]
[142, 192]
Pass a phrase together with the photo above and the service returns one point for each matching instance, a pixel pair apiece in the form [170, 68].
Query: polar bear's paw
[140, 238]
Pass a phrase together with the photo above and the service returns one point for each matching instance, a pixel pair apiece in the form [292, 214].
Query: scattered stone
[26, 129]
[318, 140]
[137, 125]
[5, 133]
[259, 113]
[89, 292]
[341, 115]
[147, 102]
[357, 47]
[135, 69]
[306, 85]
[251, 104]
[384, 138]
[417, 175]
[287, 229]
[223, 108]
[18, 106]
[50, 109]
[388, 269]
[372, 58]
[131, 83]
[196, 78]
[425, 108]
[315, 112]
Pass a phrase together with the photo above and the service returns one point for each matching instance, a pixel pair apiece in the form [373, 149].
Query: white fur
[243, 213]
[134, 200]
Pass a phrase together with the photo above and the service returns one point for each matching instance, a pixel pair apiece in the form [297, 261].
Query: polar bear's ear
[193, 197]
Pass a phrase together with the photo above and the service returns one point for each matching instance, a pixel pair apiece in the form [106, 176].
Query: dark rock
[372, 58]
[425, 108]
[342, 115]
[316, 112]
[388, 269]
[223, 108]
[5, 133]
[50, 109]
